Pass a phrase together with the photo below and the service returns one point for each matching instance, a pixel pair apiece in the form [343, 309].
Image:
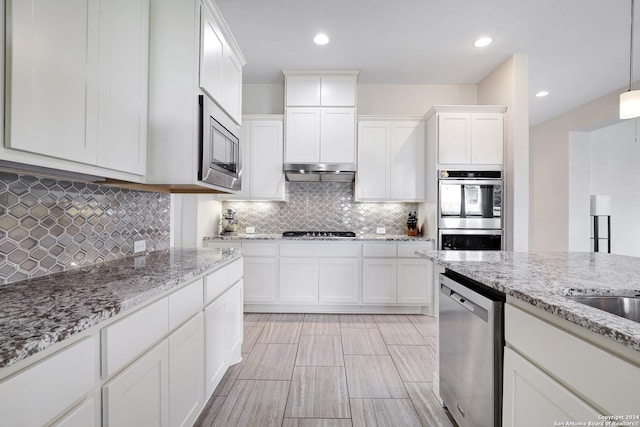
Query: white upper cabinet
[468, 135]
[302, 135]
[303, 91]
[391, 160]
[321, 91]
[192, 52]
[320, 115]
[77, 83]
[122, 100]
[262, 142]
[212, 57]
[337, 135]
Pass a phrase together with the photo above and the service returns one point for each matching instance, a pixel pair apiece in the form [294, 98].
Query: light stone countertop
[542, 279]
[359, 238]
[37, 313]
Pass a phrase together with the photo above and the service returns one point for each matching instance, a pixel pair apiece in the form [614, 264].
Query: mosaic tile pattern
[49, 225]
[322, 206]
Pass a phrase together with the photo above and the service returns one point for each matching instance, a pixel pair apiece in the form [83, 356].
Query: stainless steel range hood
[326, 172]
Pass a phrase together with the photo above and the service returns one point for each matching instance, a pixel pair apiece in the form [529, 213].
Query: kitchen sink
[627, 307]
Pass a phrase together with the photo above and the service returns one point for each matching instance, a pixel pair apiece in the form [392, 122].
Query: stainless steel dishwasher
[471, 350]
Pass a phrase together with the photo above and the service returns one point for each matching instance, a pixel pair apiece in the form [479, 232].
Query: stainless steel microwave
[220, 163]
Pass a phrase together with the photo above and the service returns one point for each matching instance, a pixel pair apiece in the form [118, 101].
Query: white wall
[373, 99]
[613, 170]
[578, 201]
[411, 100]
[549, 162]
[508, 85]
[193, 217]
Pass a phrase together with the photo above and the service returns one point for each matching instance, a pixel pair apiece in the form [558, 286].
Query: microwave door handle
[463, 208]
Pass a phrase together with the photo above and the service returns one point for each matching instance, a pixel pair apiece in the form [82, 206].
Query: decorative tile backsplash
[49, 225]
[322, 206]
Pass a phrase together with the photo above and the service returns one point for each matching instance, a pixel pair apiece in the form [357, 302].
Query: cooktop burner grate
[318, 234]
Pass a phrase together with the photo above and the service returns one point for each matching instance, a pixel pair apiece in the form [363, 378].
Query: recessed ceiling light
[483, 42]
[542, 93]
[321, 39]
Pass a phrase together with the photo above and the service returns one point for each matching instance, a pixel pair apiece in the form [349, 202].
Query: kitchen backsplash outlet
[49, 225]
[321, 206]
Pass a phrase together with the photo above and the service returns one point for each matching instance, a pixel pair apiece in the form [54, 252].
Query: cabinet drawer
[129, 337]
[184, 303]
[571, 360]
[217, 244]
[215, 284]
[259, 249]
[333, 250]
[379, 250]
[40, 393]
[409, 250]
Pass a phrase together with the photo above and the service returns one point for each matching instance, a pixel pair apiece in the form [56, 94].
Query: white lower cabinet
[551, 374]
[413, 279]
[139, 396]
[260, 280]
[215, 355]
[338, 280]
[222, 335]
[84, 415]
[41, 393]
[186, 372]
[379, 281]
[532, 398]
[298, 280]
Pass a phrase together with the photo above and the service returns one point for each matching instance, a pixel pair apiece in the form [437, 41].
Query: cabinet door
[302, 141]
[234, 318]
[215, 342]
[260, 278]
[532, 398]
[186, 372]
[139, 396]
[298, 280]
[378, 281]
[303, 91]
[232, 84]
[339, 280]
[338, 91]
[372, 178]
[454, 138]
[414, 281]
[338, 135]
[211, 56]
[52, 78]
[122, 99]
[487, 136]
[84, 415]
[266, 176]
[407, 180]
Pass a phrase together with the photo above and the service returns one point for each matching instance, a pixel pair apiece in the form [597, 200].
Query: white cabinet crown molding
[465, 109]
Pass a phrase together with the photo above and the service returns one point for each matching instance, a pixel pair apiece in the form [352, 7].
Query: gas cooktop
[318, 234]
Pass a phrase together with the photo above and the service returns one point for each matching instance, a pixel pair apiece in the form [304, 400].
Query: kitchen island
[137, 340]
[563, 360]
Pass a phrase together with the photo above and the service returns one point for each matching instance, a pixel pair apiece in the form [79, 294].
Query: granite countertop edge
[550, 297]
[40, 312]
[360, 238]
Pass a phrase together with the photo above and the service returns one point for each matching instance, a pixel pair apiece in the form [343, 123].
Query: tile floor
[308, 370]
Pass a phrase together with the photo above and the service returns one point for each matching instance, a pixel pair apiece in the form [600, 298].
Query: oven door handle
[496, 182]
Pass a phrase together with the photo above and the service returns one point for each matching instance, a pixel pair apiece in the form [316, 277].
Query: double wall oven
[470, 210]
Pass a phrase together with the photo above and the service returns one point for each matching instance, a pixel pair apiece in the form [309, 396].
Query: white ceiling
[578, 49]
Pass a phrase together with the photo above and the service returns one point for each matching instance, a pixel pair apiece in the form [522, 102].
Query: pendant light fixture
[630, 100]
